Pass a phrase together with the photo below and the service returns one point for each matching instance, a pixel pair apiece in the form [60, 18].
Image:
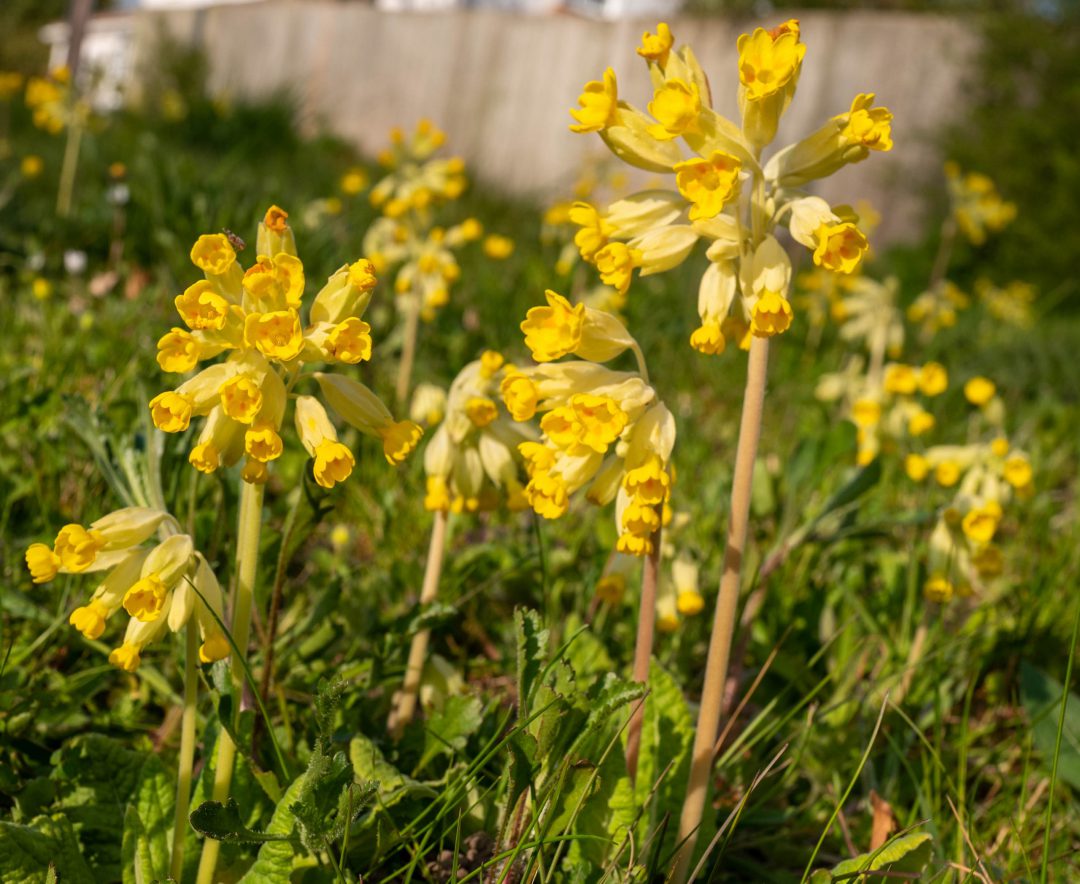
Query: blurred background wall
[501, 84]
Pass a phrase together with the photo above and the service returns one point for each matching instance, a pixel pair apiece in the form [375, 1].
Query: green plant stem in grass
[405, 707]
[187, 747]
[408, 350]
[643, 646]
[247, 560]
[712, 695]
[66, 189]
[1044, 869]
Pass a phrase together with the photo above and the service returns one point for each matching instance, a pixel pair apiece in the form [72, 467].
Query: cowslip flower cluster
[722, 192]
[937, 308]
[1011, 304]
[253, 316]
[977, 207]
[885, 405]
[602, 430]
[986, 475]
[159, 586]
[415, 180]
[50, 101]
[423, 255]
[472, 461]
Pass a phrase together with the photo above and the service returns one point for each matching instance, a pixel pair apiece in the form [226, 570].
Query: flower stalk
[716, 666]
[405, 707]
[66, 189]
[643, 646]
[408, 354]
[187, 748]
[247, 560]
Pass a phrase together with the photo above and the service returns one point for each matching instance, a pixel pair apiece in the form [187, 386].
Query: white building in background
[107, 53]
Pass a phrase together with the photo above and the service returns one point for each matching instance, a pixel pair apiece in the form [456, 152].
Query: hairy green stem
[187, 748]
[247, 560]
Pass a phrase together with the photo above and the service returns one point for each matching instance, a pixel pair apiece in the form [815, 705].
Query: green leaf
[431, 616]
[448, 730]
[907, 853]
[1041, 697]
[45, 848]
[391, 784]
[222, 822]
[274, 863]
[96, 777]
[147, 824]
[532, 644]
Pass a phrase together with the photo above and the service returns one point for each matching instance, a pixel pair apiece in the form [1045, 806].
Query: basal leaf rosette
[252, 317]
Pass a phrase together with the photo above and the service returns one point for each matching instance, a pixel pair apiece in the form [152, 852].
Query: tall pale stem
[408, 353]
[405, 708]
[247, 561]
[712, 696]
[643, 646]
[187, 748]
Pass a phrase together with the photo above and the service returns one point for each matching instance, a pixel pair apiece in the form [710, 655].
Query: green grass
[967, 755]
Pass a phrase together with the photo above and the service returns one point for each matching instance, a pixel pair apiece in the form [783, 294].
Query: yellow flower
[656, 47]
[979, 391]
[125, 657]
[900, 379]
[262, 442]
[171, 412]
[988, 561]
[498, 247]
[771, 315]
[1018, 472]
[840, 247]
[481, 411]
[1000, 446]
[350, 341]
[490, 363]
[708, 183]
[648, 483]
[520, 396]
[767, 63]
[938, 590]
[933, 379]
[437, 497]
[178, 351]
[353, 181]
[201, 307]
[205, 456]
[277, 335]
[146, 598]
[41, 288]
[399, 438]
[216, 647]
[916, 466]
[676, 106]
[599, 102]
[241, 398]
[555, 330]
[708, 339]
[947, 473]
[611, 587]
[870, 127]
[90, 619]
[547, 495]
[600, 419]
[594, 232]
[213, 253]
[333, 463]
[31, 165]
[980, 523]
[920, 422]
[362, 275]
[866, 413]
[616, 262]
[44, 564]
